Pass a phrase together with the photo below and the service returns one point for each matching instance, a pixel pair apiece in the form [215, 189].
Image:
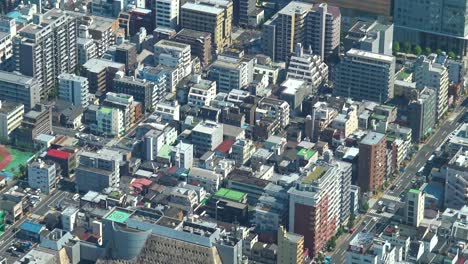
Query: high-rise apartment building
[312, 25]
[432, 23]
[414, 207]
[200, 44]
[363, 75]
[42, 175]
[290, 247]
[167, 13]
[213, 16]
[308, 67]
[47, 48]
[206, 136]
[74, 89]
[372, 36]
[15, 87]
[174, 54]
[422, 114]
[243, 9]
[231, 72]
[7, 32]
[372, 162]
[429, 73]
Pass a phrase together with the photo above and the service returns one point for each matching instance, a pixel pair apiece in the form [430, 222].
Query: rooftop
[295, 7]
[203, 8]
[317, 172]
[229, 195]
[372, 138]
[370, 55]
[7, 107]
[306, 153]
[118, 216]
[414, 191]
[15, 77]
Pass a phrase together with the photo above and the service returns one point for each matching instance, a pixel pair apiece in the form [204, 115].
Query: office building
[242, 151]
[35, 122]
[68, 218]
[98, 170]
[307, 67]
[126, 53]
[15, 87]
[290, 247]
[141, 18]
[11, 115]
[363, 75]
[372, 36]
[458, 140]
[65, 158]
[428, 73]
[372, 162]
[174, 54]
[74, 89]
[456, 181]
[201, 92]
[206, 136]
[422, 114]
[315, 205]
[274, 108]
[167, 13]
[7, 32]
[214, 17]
[42, 175]
[364, 7]
[200, 44]
[231, 72]
[47, 48]
[364, 248]
[110, 122]
[131, 109]
[414, 207]
[323, 29]
[146, 92]
[182, 155]
[433, 23]
[101, 73]
[102, 30]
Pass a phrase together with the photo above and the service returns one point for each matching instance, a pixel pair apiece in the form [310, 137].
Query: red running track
[6, 158]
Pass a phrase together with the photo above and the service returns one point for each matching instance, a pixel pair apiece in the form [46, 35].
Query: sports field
[11, 159]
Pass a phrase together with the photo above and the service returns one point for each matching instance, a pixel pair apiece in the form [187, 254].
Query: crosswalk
[391, 197]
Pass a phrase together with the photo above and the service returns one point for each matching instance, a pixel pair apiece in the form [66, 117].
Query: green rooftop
[118, 216]
[403, 74]
[414, 191]
[229, 195]
[165, 152]
[306, 153]
[379, 117]
[106, 110]
[318, 172]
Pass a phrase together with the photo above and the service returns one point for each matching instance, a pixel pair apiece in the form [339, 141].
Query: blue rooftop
[31, 227]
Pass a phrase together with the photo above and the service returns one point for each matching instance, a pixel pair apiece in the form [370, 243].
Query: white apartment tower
[42, 176]
[167, 13]
[308, 67]
[74, 89]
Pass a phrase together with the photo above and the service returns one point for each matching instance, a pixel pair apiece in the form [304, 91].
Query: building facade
[206, 136]
[74, 89]
[11, 115]
[42, 176]
[372, 162]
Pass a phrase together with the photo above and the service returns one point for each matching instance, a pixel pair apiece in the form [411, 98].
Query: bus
[420, 171]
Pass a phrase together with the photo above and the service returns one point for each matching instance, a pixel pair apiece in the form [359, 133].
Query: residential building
[441, 25]
[346, 121]
[214, 17]
[126, 53]
[86, 47]
[47, 48]
[354, 200]
[35, 122]
[110, 122]
[132, 110]
[68, 218]
[98, 170]
[167, 13]
[323, 29]
[102, 30]
[182, 155]
[365, 7]
[458, 140]
[206, 136]
[422, 114]
[156, 139]
[290, 247]
[363, 75]
[414, 207]
[243, 9]
[372, 36]
[165, 77]
[428, 73]
[146, 92]
[294, 93]
[200, 44]
[43, 176]
[364, 248]
[456, 181]
[307, 67]
[74, 89]
[7, 32]
[168, 110]
[15, 87]
[231, 72]
[372, 162]
[201, 92]
[242, 151]
[101, 73]
[11, 116]
[174, 54]
[273, 108]
[65, 158]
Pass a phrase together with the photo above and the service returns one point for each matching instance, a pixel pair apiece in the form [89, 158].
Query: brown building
[378, 7]
[126, 53]
[200, 44]
[101, 73]
[35, 122]
[372, 162]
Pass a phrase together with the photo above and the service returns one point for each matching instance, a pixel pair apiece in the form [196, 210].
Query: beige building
[290, 247]
[346, 121]
[415, 207]
[213, 16]
[11, 115]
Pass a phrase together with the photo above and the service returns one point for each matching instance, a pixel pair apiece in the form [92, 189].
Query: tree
[407, 47]
[438, 51]
[417, 50]
[365, 206]
[351, 221]
[452, 55]
[427, 51]
[396, 46]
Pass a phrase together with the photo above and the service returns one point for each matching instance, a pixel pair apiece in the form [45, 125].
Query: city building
[109, 122]
[11, 116]
[428, 73]
[201, 92]
[146, 92]
[364, 7]
[126, 53]
[35, 122]
[156, 140]
[174, 54]
[102, 30]
[98, 170]
[277, 109]
[441, 25]
[43, 176]
[456, 181]
[308, 67]
[231, 72]
[15, 87]
[131, 109]
[422, 114]
[65, 158]
[363, 75]
[214, 17]
[243, 10]
[74, 89]
[414, 207]
[47, 48]
[242, 151]
[364, 248]
[7, 32]
[323, 29]
[206, 136]
[182, 155]
[372, 36]
[294, 93]
[372, 162]
[168, 110]
[290, 247]
[200, 44]
[100, 74]
[86, 46]
[167, 13]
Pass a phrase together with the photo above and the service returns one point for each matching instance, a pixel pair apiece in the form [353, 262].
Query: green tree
[427, 51]
[396, 46]
[417, 50]
[407, 47]
[365, 206]
[438, 51]
[351, 221]
[452, 55]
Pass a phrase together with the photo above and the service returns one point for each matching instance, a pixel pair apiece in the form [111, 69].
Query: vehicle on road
[420, 171]
[351, 230]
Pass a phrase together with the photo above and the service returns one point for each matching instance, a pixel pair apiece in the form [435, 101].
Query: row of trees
[418, 50]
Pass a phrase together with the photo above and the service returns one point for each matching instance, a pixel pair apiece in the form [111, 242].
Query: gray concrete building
[148, 93]
[15, 87]
[206, 136]
[372, 36]
[422, 113]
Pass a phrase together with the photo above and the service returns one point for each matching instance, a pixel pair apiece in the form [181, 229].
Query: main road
[368, 221]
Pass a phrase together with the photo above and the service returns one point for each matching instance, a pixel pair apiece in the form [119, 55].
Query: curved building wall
[124, 243]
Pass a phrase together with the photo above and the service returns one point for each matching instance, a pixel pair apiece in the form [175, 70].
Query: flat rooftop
[203, 8]
[229, 195]
[171, 44]
[372, 138]
[295, 7]
[15, 77]
[370, 55]
[315, 174]
[118, 216]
